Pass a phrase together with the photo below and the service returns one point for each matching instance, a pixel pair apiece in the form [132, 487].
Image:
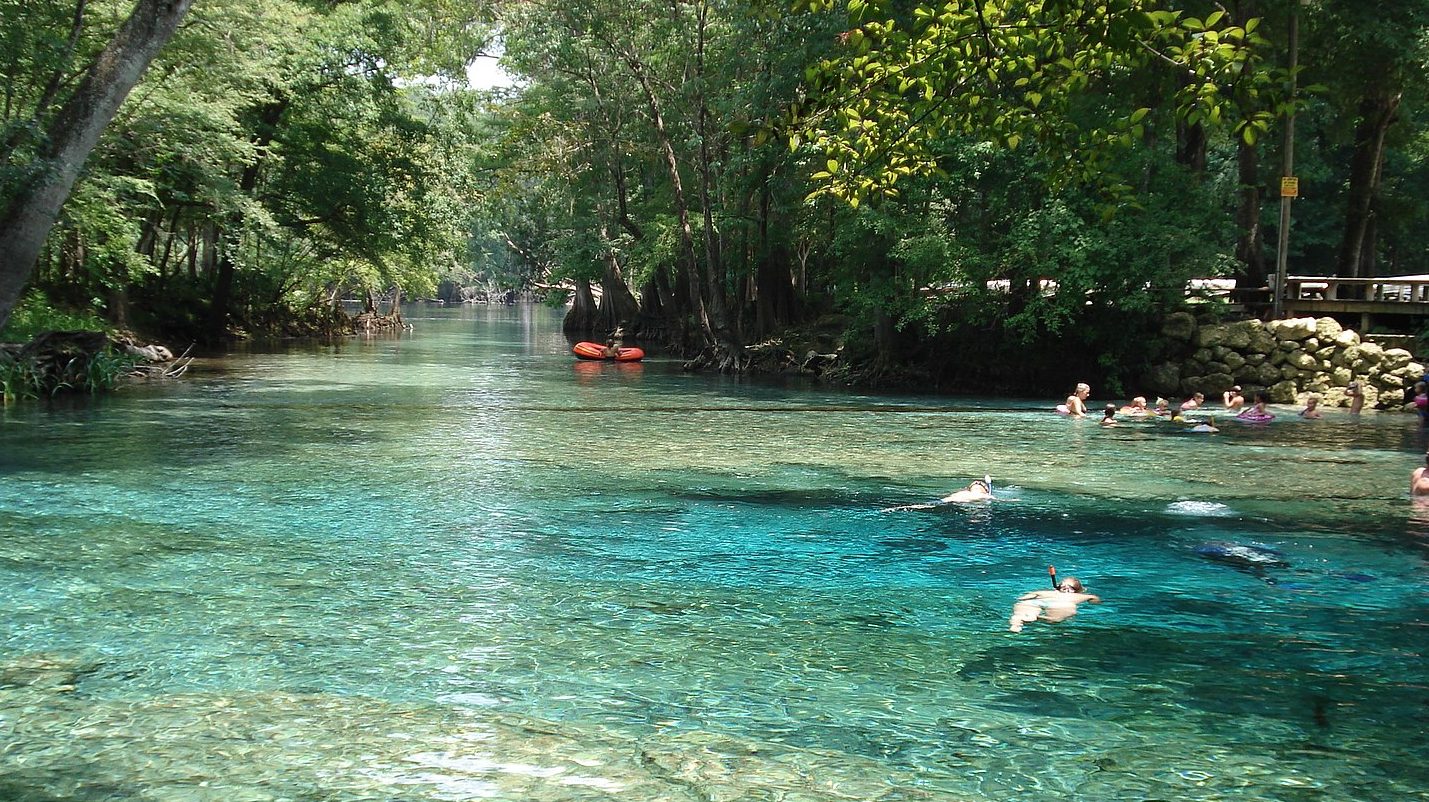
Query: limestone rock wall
[1287, 358]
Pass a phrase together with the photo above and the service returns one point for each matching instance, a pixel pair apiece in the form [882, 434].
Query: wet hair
[980, 483]
[1235, 389]
[1262, 397]
[1077, 583]
[1083, 386]
[1110, 410]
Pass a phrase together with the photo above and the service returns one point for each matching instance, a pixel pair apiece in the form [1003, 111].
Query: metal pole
[1282, 247]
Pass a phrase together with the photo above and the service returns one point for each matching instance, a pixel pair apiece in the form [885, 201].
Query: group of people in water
[1061, 601]
[1235, 405]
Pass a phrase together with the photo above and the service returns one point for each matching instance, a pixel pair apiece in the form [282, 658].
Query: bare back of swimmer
[1051, 606]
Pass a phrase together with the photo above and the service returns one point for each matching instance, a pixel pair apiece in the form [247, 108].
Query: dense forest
[996, 194]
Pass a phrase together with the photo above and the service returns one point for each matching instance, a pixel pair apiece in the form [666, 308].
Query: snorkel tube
[1052, 572]
[987, 480]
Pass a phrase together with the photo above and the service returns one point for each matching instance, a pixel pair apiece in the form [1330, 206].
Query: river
[458, 564]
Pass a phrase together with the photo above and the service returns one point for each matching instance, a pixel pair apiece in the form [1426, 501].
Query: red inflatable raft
[597, 351]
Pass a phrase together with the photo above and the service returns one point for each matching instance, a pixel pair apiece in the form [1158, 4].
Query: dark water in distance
[458, 564]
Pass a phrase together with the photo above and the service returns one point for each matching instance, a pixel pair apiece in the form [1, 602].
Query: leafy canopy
[1039, 72]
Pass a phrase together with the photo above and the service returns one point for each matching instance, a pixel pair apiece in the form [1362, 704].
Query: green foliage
[1002, 175]
[18, 378]
[35, 314]
[1052, 76]
[303, 148]
[28, 378]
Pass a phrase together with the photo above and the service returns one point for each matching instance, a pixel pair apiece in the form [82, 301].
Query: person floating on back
[1051, 606]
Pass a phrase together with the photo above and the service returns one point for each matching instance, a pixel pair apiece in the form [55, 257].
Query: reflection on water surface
[460, 565]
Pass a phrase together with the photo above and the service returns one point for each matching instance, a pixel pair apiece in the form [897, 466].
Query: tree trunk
[1250, 247]
[618, 307]
[1191, 147]
[581, 319]
[220, 304]
[72, 135]
[774, 292]
[689, 262]
[1377, 113]
[714, 260]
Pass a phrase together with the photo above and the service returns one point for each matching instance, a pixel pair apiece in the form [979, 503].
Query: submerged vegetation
[965, 195]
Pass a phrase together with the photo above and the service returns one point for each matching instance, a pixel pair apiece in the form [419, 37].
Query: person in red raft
[612, 348]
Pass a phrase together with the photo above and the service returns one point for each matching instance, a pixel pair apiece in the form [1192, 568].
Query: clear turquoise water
[457, 565]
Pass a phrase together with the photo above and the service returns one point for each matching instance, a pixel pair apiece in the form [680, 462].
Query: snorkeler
[977, 490]
[1051, 606]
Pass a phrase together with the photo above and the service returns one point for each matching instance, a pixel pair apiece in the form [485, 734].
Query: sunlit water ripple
[456, 565]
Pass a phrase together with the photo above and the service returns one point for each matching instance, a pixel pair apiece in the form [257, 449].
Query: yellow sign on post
[1290, 187]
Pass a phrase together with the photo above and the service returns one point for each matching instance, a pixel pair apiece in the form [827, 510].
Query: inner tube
[1251, 416]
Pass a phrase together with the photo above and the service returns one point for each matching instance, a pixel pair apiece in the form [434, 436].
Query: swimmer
[1050, 605]
[1137, 408]
[1109, 415]
[1076, 403]
[1311, 411]
[1163, 408]
[1208, 427]
[1257, 413]
[977, 490]
[1356, 395]
[1233, 398]
[1419, 480]
[1194, 402]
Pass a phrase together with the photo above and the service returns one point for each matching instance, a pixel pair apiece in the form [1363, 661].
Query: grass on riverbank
[51, 372]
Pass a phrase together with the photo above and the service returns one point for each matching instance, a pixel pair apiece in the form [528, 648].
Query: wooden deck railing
[1380, 290]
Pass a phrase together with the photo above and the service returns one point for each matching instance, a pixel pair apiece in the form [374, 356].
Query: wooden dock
[1401, 297]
